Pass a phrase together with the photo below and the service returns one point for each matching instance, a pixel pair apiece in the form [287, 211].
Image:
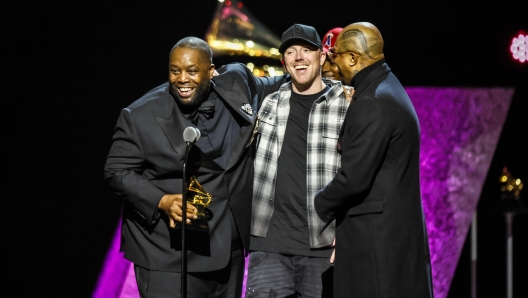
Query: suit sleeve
[267, 85]
[262, 85]
[363, 143]
[125, 164]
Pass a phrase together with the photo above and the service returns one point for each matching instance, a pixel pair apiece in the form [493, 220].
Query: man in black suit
[145, 167]
[381, 237]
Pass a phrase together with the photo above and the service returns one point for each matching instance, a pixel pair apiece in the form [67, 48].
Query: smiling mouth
[185, 91]
[301, 67]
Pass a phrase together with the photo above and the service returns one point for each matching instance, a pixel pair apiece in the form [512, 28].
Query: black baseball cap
[300, 32]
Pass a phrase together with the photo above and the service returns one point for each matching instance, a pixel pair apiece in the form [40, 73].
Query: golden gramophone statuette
[201, 199]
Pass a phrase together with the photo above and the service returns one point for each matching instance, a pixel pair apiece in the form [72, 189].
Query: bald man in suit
[381, 239]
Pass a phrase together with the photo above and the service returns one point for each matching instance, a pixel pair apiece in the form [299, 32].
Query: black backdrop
[69, 67]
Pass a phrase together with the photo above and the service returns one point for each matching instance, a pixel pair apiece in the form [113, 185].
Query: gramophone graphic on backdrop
[235, 32]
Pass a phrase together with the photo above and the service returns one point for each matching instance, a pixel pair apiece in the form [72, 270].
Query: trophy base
[201, 223]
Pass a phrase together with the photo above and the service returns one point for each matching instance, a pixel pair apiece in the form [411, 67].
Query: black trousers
[223, 283]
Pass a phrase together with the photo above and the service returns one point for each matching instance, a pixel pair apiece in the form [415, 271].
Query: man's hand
[349, 92]
[171, 204]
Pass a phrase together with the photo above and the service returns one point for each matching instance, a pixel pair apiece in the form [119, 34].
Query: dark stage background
[69, 68]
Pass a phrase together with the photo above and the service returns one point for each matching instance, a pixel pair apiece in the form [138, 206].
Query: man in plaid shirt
[297, 155]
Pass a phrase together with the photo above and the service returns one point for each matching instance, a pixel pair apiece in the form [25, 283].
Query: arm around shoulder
[264, 85]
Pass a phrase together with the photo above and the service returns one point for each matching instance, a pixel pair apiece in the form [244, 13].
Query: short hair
[196, 43]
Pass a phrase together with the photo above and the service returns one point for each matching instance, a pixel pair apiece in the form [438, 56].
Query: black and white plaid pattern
[323, 160]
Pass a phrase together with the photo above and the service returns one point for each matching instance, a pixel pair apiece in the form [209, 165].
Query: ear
[284, 66]
[353, 59]
[211, 71]
[322, 58]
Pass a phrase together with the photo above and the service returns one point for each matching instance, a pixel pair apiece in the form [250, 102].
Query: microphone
[191, 134]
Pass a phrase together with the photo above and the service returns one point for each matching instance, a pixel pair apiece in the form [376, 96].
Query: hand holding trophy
[200, 199]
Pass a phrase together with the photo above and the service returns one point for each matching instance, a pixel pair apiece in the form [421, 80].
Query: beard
[188, 105]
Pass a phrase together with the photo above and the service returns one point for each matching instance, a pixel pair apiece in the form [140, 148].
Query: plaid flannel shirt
[323, 160]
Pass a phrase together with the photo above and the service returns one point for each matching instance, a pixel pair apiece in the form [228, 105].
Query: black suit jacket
[381, 240]
[145, 162]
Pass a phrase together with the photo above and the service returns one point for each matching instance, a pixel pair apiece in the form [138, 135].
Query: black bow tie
[207, 109]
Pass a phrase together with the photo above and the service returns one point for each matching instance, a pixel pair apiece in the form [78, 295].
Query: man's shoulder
[332, 83]
[231, 69]
[231, 73]
[381, 101]
[285, 88]
[387, 89]
[151, 98]
[283, 93]
[335, 88]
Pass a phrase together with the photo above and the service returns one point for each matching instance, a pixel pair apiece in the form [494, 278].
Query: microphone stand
[190, 136]
[184, 223]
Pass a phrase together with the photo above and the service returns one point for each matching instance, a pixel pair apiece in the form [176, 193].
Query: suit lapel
[172, 126]
[237, 100]
[239, 103]
[172, 123]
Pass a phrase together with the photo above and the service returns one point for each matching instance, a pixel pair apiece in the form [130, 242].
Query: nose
[298, 56]
[183, 77]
